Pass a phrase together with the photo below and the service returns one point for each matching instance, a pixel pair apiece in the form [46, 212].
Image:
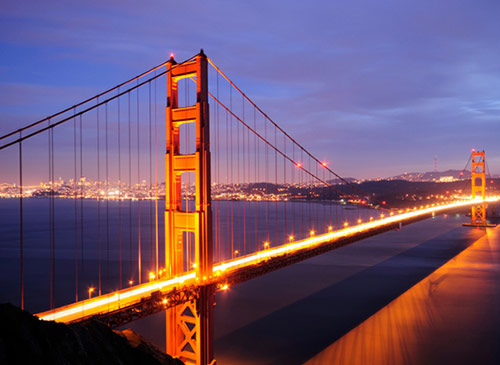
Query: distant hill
[437, 176]
[448, 175]
[338, 181]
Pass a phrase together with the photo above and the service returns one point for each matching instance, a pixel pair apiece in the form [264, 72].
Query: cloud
[387, 83]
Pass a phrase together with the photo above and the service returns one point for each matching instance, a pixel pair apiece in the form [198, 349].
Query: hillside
[24, 339]
[448, 175]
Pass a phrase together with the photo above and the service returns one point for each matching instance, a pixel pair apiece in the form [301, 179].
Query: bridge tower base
[189, 327]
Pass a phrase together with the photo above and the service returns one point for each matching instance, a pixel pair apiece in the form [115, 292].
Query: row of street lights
[236, 253]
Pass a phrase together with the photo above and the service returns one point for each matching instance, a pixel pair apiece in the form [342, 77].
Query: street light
[91, 290]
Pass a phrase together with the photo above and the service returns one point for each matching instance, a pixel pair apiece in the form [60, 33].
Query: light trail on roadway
[126, 297]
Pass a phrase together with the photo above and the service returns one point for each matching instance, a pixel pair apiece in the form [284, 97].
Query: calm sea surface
[88, 235]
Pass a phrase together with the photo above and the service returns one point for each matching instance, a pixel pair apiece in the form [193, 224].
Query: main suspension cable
[285, 133]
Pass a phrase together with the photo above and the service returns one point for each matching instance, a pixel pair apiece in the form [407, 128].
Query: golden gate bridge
[233, 178]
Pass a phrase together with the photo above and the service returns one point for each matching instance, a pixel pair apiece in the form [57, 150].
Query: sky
[377, 88]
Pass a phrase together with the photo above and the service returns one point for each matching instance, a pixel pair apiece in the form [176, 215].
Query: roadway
[242, 268]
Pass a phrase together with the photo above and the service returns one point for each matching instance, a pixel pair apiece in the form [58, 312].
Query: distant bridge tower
[478, 178]
[189, 327]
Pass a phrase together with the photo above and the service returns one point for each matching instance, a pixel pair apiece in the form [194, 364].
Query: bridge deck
[138, 301]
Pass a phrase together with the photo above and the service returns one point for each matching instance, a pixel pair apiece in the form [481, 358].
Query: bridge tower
[478, 177]
[189, 327]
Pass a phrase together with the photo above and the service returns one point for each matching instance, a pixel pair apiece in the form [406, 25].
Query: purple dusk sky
[377, 88]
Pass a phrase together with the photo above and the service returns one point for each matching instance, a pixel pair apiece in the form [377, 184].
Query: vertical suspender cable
[106, 125]
[120, 193]
[228, 237]
[294, 184]
[51, 187]
[316, 201]
[139, 187]
[130, 190]
[21, 220]
[53, 227]
[156, 179]
[232, 168]
[99, 187]
[257, 175]
[285, 187]
[215, 169]
[237, 187]
[310, 183]
[217, 172]
[303, 187]
[249, 179]
[276, 205]
[81, 201]
[75, 196]
[267, 182]
[151, 228]
[51, 217]
[246, 164]
[324, 197]
[337, 213]
[331, 199]
[238, 184]
[243, 185]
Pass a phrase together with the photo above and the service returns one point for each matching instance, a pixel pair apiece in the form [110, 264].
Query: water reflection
[451, 316]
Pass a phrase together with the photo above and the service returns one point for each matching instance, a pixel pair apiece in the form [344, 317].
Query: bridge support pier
[189, 326]
[189, 329]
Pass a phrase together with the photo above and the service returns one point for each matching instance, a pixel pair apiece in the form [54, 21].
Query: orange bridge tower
[478, 177]
[478, 190]
[189, 327]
